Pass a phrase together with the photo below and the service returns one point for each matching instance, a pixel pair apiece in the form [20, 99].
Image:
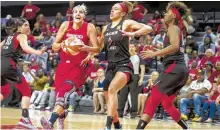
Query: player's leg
[119, 81]
[60, 104]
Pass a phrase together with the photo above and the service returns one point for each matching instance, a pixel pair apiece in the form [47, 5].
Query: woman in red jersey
[70, 73]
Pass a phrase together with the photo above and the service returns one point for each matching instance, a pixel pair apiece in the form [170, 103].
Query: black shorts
[172, 78]
[113, 68]
[9, 72]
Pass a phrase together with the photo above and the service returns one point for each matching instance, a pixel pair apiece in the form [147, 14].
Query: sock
[25, 113]
[53, 118]
[183, 124]
[141, 124]
[117, 125]
[109, 121]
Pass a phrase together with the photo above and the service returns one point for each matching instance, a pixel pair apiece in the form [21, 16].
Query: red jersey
[137, 12]
[30, 11]
[79, 33]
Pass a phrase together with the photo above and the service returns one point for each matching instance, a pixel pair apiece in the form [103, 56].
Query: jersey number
[8, 42]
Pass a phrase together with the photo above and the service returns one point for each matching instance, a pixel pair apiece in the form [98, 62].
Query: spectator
[194, 58]
[59, 17]
[138, 12]
[217, 101]
[207, 44]
[209, 57]
[209, 32]
[215, 75]
[36, 30]
[27, 75]
[158, 40]
[69, 11]
[42, 21]
[184, 90]
[198, 93]
[190, 43]
[193, 71]
[31, 40]
[208, 71]
[217, 43]
[98, 92]
[48, 92]
[30, 12]
[38, 85]
[93, 21]
[142, 97]
[156, 22]
[132, 89]
[210, 105]
[48, 40]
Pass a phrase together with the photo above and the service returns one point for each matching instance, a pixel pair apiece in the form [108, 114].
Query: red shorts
[67, 71]
[5, 90]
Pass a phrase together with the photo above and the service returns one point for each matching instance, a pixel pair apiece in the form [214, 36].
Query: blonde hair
[210, 50]
[129, 6]
[83, 7]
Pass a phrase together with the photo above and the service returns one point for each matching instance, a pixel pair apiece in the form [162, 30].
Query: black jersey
[11, 48]
[116, 45]
[177, 57]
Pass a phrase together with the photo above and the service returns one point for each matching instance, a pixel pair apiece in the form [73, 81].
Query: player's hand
[85, 48]
[84, 62]
[130, 34]
[43, 50]
[147, 54]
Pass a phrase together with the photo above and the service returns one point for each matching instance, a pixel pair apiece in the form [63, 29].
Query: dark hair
[20, 22]
[11, 25]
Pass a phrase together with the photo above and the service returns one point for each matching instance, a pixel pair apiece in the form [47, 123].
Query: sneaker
[39, 107]
[46, 123]
[184, 117]
[120, 127]
[26, 122]
[209, 120]
[196, 118]
[60, 122]
[200, 119]
[48, 108]
[70, 109]
[107, 128]
[32, 106]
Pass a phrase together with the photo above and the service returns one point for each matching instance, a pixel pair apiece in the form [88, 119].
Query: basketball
[72, 45]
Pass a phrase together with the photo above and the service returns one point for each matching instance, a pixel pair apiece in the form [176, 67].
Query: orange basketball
[72, 45]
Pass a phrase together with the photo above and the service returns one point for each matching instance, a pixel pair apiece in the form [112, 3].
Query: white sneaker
[48, 108]
[32, 106]
[209, 120]
[38, 107]
[60, 123]
[200, 119]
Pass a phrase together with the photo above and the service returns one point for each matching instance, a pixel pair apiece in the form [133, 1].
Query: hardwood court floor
[11, 116]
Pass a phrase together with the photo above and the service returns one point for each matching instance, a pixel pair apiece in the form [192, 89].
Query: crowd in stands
[198, 100]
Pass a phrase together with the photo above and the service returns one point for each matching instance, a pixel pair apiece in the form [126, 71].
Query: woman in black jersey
[175, 73]
[115, 37]
[11, 52]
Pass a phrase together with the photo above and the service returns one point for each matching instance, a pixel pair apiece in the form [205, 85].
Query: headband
[178, 16]
[124, 8]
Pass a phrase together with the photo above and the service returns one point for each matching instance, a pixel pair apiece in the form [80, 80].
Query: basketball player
[70, 74]
[115, 37]
[11, 52]
[175, 73]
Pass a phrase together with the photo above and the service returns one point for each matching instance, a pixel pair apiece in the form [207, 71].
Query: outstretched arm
[22, 38]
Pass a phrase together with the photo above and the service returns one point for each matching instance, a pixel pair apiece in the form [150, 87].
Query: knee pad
[63, 100]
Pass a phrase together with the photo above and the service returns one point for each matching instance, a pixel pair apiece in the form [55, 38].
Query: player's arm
[92, 34]
[57, 44]
[141, 29]
[2, 43]
[174, 36]
[22, 38]
[101, 39]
